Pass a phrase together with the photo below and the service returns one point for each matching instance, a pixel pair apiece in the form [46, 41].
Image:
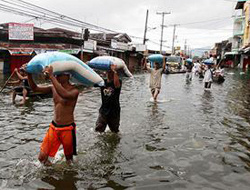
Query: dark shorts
[19, 89]
[208, 84]
[112, 122]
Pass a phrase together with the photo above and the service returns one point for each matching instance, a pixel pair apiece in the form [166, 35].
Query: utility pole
[185, 47]
[162, 26]
[84, 37]
[173, 48]
[82, 44]
[146, 27]
[189, 51]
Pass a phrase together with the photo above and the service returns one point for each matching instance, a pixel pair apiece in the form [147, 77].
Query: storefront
[18, 57]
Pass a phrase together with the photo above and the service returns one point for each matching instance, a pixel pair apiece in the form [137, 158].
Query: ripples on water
[192, 139]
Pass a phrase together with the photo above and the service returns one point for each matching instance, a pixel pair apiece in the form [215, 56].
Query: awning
[240, 4]
[75, 51]
[87, 50]
[110, 49]
[246, 50]
[38, 51]
[231, 53]
[70, 51]
[20, 51]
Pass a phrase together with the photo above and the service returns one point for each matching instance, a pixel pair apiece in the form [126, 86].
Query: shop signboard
[90, 45]
[19, 31]
[140, 47]
[119, 45]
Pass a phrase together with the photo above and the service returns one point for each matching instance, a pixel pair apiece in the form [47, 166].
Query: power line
[67, 17]
[211, 20]
[28, 9]
[158, 44]
[233, 1]
[20, 7]
[49, 16]
[136, 37]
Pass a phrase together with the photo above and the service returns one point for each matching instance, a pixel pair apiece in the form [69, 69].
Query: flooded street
[191, 139]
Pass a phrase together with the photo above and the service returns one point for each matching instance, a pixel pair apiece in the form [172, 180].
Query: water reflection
[154, 109]
[107, 148]
[107, 156]
[207, 102]
[27, 108]
[98, 165]
[238, 126]
[66, 180]
[155, 115]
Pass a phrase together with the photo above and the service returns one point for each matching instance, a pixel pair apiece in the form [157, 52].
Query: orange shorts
[57, 135]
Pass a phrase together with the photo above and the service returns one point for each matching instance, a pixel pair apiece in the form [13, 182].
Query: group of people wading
[62, 129]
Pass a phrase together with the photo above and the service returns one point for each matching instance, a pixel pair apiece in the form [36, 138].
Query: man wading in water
[109, 113]
[24, 87]
[155, 77]
[62, 128]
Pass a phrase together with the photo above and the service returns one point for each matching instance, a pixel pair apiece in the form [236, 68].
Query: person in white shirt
[189, 67]
[208, 77]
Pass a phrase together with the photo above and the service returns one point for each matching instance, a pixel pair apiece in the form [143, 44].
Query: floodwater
[191, 139]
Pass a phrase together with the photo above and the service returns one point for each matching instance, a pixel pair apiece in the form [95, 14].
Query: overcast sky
[201, 22]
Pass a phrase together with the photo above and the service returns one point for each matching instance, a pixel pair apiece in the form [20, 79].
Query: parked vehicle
[174, 65]
[219, 76]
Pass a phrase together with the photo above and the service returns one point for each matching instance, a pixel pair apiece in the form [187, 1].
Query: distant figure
[219, 74]
[155, 77]
[109, 113]
[24, 87]
[189, 66]
[62, 128]
[208, 77]
[196, 67]
[201, 71]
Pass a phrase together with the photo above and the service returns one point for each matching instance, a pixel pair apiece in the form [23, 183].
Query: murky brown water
[193, 139]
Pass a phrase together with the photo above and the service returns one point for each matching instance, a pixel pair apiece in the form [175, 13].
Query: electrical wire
[204, 21]
[233, 1]
[65, 17]
[31, 10]
[21, 7]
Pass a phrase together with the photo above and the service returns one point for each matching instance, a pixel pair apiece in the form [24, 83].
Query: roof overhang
[110, 49]
[240, 4]
[246, 50]
[231, 53]
[21, 51]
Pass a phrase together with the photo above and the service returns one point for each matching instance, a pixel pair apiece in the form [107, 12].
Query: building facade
[20, 42]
